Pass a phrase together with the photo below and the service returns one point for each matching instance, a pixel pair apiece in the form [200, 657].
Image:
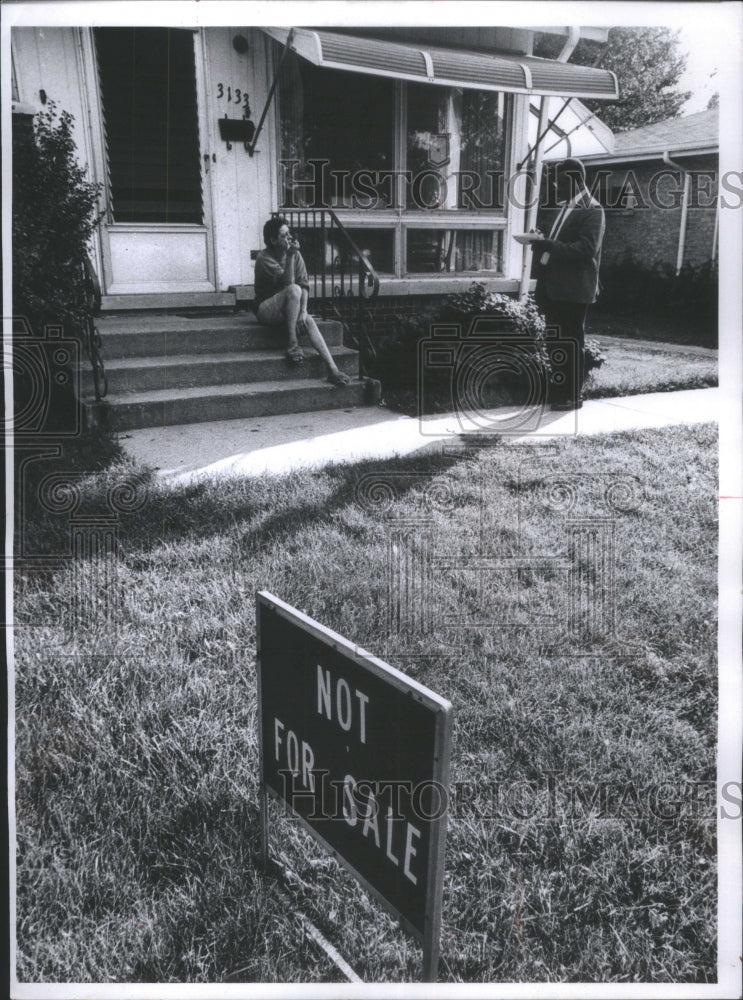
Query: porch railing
[342, 277]
[91, 337]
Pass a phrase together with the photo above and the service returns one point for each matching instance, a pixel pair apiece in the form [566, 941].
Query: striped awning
[501, 71]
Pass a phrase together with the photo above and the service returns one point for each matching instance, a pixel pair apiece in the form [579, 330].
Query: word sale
[356, 802]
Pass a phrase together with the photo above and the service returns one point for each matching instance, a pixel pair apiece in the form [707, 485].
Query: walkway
[275, 445]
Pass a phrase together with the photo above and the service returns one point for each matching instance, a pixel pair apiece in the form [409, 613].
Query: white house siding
[239, 191]
[49, 60]
[243, 188]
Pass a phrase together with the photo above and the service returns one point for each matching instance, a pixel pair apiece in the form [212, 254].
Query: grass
[631, 369]
[668, 326]
[136, 783]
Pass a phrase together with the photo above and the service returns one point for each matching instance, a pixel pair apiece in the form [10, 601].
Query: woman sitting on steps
[281, 292]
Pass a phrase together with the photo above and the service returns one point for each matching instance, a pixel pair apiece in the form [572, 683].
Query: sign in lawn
[360, 754]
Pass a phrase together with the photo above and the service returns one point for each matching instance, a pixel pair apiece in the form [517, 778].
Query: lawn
[633, 363]
[567, 859]
[678, 326]
[639, 366]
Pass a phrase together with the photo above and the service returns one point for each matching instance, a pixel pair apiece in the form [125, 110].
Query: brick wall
[384, 312]
[651, 234]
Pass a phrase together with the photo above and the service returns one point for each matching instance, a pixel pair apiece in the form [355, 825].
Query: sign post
[359, 754]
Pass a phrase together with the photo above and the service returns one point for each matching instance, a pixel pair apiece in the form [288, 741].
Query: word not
[343, 702]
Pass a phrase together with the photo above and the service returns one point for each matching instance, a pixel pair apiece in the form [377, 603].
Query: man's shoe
[570, 404]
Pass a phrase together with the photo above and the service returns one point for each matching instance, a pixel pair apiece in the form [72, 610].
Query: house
[402, 156]
[659, 187]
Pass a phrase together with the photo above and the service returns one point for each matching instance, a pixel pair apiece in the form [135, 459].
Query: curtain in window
[482, 148]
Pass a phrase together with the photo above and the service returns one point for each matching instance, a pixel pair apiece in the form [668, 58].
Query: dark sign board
[360, 753]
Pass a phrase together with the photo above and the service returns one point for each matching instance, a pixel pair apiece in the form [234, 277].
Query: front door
[157, 235]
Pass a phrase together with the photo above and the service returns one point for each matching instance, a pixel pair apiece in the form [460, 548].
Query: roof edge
[651, 154]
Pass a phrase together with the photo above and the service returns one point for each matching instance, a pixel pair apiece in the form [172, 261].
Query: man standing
[567, 270]
[281, 292]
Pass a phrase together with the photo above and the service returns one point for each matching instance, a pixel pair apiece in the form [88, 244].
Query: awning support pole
[567, 134]
[287, 46]
[533, 201]
[541, 136]
[534, 178]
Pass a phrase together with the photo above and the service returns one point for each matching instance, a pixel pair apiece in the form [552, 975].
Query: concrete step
[159, 335]
[168, 300]
[185, 371]
[164, 407]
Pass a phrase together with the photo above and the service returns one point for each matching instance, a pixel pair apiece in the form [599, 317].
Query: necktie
[558, 222]
[554, 231]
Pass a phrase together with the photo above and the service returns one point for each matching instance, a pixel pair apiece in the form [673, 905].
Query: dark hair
[271, 229]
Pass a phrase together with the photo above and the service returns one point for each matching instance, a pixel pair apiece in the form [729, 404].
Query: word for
[397, 837]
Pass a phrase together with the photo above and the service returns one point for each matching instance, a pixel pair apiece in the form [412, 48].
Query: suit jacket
[572, 272]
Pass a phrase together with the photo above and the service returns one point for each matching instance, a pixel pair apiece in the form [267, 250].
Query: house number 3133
[234, 95]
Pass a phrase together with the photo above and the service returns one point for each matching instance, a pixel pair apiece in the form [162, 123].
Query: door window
[148, 88]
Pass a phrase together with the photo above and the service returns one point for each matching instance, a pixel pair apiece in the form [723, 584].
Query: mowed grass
[137, 756]
[633, 368]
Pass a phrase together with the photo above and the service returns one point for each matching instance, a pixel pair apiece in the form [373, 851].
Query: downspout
[684, 209]
[533, 203]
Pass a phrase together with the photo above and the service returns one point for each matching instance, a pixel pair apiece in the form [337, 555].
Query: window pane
[454, 250]
[346, 118]
[148, 88]
[429, 141]
[377, 245]
[453, 133]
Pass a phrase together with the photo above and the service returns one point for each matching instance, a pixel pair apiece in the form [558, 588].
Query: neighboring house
[659, 187]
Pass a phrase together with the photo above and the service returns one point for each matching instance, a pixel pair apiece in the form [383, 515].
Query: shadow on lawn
[265, 510]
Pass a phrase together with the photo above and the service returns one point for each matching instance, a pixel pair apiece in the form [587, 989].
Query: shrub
[594, 357]
[630, 288]
[506, 321]
[55, 210]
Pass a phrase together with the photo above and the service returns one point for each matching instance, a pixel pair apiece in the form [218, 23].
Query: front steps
[182, 368]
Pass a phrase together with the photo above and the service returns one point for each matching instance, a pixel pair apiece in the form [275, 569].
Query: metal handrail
[91, 335]
[370, 275]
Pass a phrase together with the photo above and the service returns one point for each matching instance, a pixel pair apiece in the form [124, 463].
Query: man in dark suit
[567, 270]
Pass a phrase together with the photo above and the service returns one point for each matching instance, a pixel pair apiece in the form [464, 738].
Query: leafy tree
[648, 65]
[713, 102]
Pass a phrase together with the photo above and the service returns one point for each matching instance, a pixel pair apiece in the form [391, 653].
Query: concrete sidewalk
[275, 445]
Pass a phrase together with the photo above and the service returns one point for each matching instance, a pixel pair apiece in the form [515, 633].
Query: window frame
[402, 219]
